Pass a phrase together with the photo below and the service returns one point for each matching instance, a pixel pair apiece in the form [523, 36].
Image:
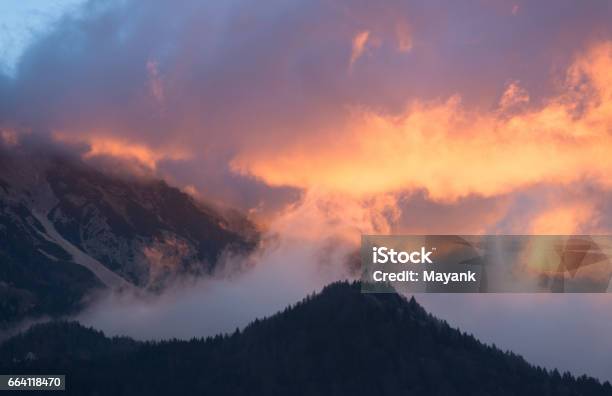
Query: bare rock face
[67, 228]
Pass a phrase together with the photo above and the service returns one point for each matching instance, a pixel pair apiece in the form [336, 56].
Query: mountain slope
[37, 276]
[143, 230]
[68, 229]
[338, 342]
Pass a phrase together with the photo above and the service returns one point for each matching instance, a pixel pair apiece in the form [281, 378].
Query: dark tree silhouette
[339, 342]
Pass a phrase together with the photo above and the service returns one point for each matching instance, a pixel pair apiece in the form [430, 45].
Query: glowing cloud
[123, 149]
[565, 219]
[359, 45]
[513, 96]
[453, 152]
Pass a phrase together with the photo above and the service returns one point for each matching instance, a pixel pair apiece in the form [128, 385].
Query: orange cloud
[564, 220]
[359, 44]
[123, 149]
[321, 216]
[513, 96]
[452, 151]
[561, 220]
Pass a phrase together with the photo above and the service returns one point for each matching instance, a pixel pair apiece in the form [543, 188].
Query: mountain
[68, 229]
[338, 342]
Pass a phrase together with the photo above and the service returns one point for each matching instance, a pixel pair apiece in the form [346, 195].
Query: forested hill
[338, 342]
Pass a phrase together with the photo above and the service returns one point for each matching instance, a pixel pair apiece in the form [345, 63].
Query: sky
[327, 119]
[22, 21]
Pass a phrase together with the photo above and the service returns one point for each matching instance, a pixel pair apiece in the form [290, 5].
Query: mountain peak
[338, 341]
[68, 228]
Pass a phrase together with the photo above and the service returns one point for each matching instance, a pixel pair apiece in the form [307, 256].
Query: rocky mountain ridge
[68, 227]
